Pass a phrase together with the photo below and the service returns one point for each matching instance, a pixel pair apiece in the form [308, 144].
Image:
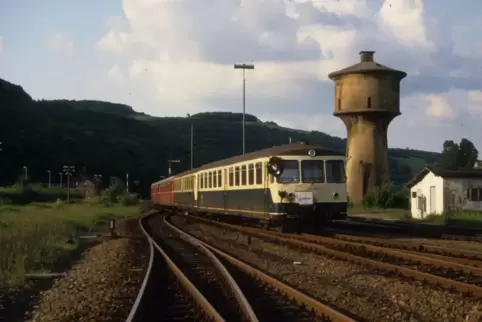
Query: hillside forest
[112, 139]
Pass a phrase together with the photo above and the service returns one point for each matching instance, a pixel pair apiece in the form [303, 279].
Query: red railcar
[162, 192]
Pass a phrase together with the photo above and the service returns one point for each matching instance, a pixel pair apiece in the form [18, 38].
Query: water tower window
[369, 102]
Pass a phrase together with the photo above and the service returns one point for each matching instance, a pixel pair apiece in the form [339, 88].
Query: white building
[434, 191]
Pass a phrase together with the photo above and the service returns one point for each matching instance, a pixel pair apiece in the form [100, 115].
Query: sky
[173, 57]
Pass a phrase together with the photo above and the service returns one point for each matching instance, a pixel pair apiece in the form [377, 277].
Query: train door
[225, 189]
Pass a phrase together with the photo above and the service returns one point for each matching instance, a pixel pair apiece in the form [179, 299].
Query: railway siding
[297, 241]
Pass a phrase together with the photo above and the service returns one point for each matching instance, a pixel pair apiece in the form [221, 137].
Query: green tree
[462, 155]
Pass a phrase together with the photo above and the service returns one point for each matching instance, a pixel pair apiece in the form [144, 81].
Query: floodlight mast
[244, 67]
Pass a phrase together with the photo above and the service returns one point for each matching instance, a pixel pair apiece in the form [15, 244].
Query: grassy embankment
[34, 236]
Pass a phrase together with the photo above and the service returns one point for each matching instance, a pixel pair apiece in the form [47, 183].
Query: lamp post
[25, 168]
[60, 173]
[68, 171]
[169, 170]
[244, 67]
[192, 140]
[50, 177]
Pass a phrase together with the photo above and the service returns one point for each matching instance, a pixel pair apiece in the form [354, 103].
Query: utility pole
[244, 67]
[60, 173]
[68, 171]
[127, 182]
[192, 141]
[169, 170]
[25, 172]
[50, 177]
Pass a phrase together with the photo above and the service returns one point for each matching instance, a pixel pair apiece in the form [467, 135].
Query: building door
[433, 204]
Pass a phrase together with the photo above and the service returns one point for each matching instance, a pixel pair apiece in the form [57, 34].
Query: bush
[129, 200]
[114, 193]
[25, 194]
[387, 196]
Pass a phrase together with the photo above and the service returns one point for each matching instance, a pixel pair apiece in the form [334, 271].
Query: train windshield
[291, 173]
[312, 171]
[335, 171]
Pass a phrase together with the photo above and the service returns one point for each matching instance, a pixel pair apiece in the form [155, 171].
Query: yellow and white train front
[311, 187]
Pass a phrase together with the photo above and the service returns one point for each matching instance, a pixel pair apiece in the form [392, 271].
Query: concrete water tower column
[367, 99]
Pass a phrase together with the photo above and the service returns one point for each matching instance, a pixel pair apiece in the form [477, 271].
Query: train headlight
[282, 193]
[335, 195]
[291, 195]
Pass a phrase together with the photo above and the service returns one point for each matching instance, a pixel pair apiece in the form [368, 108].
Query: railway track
[205, 284]
[441, 272]
[412, 229]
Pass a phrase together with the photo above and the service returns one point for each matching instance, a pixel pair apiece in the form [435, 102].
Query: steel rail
[147, 275]
[208, 309]
[241, 299]
[302, 299]
[381, 250]
[412, 246]
[289, 240]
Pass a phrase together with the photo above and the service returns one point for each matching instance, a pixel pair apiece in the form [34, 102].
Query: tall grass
[24, 194]
[33, 237]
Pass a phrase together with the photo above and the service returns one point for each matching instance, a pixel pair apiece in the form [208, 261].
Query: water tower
[367, 99]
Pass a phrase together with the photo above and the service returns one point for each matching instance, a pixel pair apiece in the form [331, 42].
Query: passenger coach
[271, 186]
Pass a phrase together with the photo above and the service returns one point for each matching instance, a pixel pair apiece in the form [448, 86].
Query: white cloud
[179, 55]
[61, 44]
[438, 107]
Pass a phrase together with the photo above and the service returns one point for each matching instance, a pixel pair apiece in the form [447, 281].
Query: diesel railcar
[279, 186]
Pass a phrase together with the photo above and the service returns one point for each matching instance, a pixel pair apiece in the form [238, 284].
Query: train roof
[163, 180]
[298, 148]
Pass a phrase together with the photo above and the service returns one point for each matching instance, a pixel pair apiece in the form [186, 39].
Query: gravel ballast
[366, 293]
[102, 286]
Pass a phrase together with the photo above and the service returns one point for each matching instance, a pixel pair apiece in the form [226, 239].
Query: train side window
[220, 178]
[259, 173]
[236, 176]
[205, 180]
[243, 175]
[251, 174]
[215, 180]
[231, 177]
[210, 181]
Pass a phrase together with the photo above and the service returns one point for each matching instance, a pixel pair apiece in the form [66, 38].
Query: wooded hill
[112, 139]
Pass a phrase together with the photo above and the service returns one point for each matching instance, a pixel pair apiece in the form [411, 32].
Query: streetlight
[26, 172]
[244, 67]
[60, 173]
[192, 140]
[68, 171]
[98, 178]
[50, 177]
[170, 162]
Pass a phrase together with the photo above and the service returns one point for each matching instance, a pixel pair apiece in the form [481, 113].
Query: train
[292, 187]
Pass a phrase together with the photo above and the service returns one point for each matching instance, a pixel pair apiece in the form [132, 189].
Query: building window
[474, 194]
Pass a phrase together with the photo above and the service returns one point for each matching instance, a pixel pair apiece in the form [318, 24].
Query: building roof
[446, 173]
[366, 65]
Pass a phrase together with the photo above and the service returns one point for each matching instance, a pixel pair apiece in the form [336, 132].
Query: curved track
[190, 283]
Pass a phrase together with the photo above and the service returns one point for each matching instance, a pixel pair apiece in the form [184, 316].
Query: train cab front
[310, 190]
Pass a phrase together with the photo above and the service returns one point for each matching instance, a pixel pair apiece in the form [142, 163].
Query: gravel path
[364, 292]
[101, 287]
